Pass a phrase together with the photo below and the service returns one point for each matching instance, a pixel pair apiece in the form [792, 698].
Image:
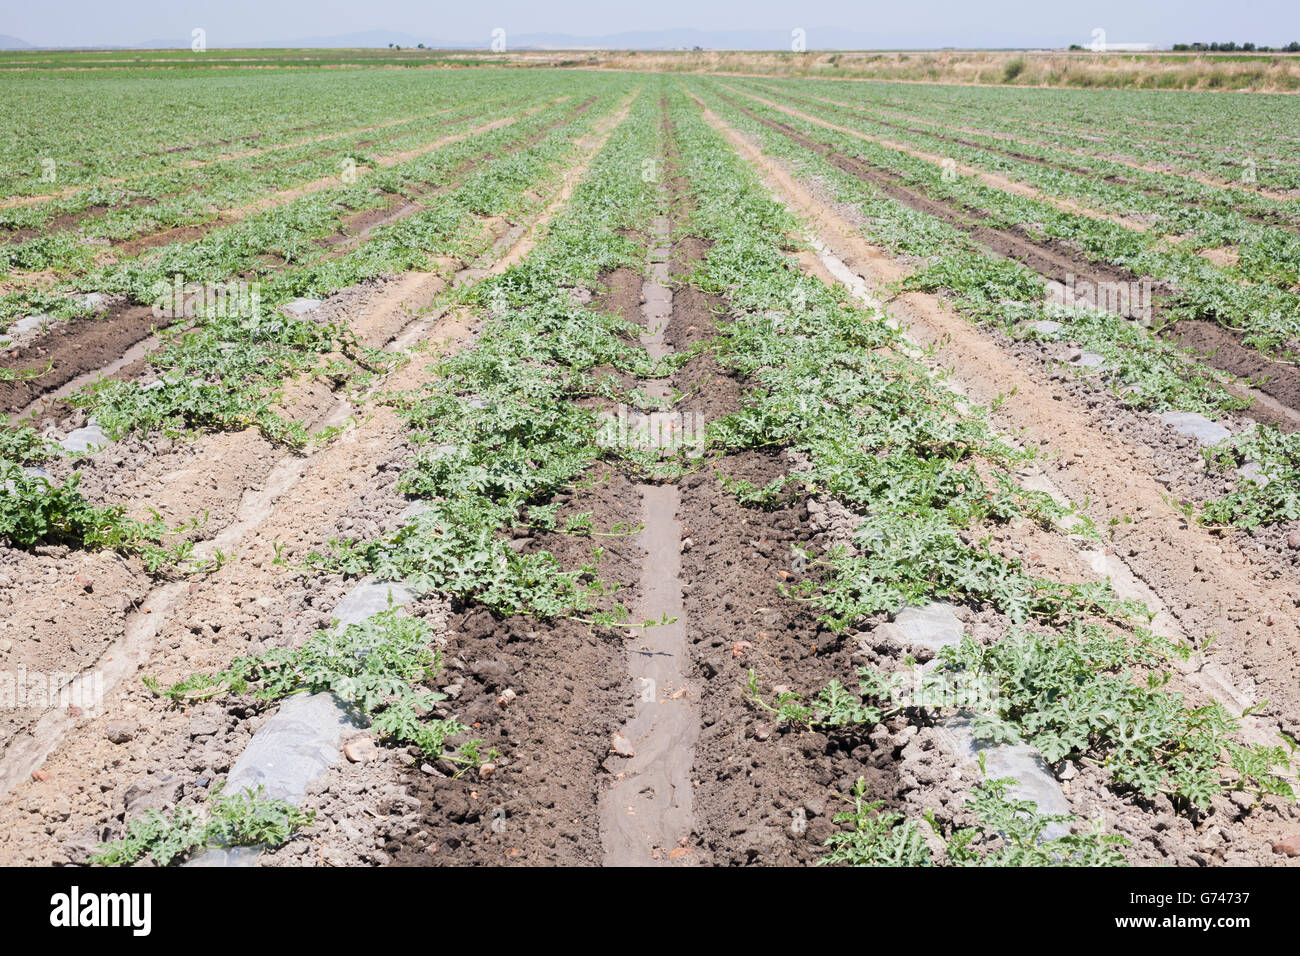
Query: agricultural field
[529, 466]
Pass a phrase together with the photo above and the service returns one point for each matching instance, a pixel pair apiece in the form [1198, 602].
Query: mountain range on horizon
[816, 38]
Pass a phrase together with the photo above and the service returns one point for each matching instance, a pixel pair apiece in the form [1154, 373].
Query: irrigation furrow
[395, 319]
[1228, 195]
[1164, 550]
[1276, 388]
[646, 813]
[73, 350]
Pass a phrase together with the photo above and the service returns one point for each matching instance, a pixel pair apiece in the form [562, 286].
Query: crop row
[100, 127]
[1171, 204]
[1267, 317]
[1149, 372]
[118, 211]
[1195, 133]
[499, 428]
[228, 370]
[1142, 369]
[1080, 674]
[283, 246]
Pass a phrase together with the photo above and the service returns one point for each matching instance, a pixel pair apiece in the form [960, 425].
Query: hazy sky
[909, 24]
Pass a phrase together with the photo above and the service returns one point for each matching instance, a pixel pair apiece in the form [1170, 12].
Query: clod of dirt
[1289, 846]
[361, 750]
[121, 731]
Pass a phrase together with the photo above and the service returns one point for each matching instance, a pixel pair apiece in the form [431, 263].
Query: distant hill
[675, 39]
[365, 38]
[815, 38]
[684, 39]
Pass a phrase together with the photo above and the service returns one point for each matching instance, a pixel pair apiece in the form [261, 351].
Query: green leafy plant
[241, 819]
[1273, 496]
[35, 511]
[1008, 832]
[930, 481]
[380, 666]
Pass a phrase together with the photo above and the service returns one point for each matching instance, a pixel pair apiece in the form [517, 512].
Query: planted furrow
[1004, 296]
[733, 466]
[326, 257]
[1108, 183]
[226, 514]
[877, 566]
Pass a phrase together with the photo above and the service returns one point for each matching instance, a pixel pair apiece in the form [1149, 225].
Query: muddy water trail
[645, 817]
